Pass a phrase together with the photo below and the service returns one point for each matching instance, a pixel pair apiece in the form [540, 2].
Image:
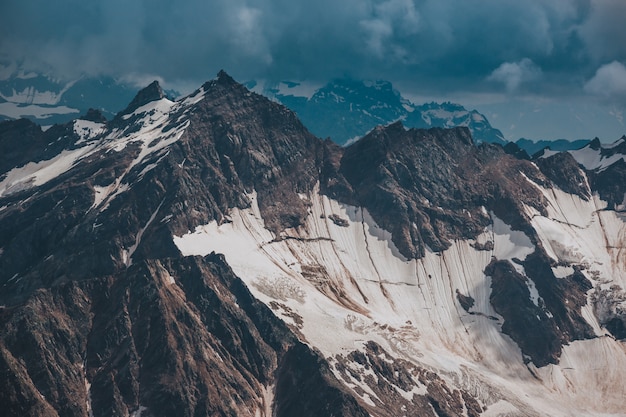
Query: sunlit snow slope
[341, 281]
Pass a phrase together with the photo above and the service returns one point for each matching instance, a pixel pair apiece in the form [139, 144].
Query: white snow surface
[87, 130]
[451, 117]
[592, 159]
[351, 285]
[39, 173]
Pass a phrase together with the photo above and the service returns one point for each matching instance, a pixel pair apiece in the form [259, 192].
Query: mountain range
[343, 109]
[346, 109]
[47, 100]
[212, 256]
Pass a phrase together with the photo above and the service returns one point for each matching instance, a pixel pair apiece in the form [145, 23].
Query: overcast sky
[563, 50]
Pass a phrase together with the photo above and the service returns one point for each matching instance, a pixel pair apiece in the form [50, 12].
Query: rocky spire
[150, 93]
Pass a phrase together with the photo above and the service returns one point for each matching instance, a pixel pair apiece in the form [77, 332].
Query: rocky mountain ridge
[408, 273]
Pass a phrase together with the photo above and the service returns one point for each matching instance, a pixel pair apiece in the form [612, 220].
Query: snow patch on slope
[509, 244]
[31, 95]
[87, 130]
[592, 159]
[35, 174]
[154, 117]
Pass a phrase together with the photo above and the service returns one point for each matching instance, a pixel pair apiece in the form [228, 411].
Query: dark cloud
[437, 45]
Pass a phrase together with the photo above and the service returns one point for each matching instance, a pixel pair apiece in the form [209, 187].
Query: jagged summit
[595, 144]
[225, 80]
[152, 92]
[223, 77]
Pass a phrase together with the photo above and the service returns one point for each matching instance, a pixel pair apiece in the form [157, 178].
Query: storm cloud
[512, 47]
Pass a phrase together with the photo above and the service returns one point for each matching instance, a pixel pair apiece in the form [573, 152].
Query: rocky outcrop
[22, 141]
[397, 380]
[610, 184]
[532, 324]
[238, 142]
[562, 169]
[429, 187]
[169, 338]
[152, 92]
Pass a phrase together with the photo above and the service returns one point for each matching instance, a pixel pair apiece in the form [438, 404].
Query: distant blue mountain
[47, 101]
[346, 109]
[532, 147]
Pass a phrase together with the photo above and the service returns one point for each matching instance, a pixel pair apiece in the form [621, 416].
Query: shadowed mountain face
[345, 283]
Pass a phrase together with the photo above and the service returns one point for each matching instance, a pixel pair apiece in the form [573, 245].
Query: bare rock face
[610, 184]
[539, 332]
[246, 142]
[22, 141]
[429, 187]
[169, 338]
[564, 172]
[150, 93]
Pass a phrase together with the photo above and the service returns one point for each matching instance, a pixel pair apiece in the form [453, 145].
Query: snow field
[350, 285]
[87, 130]
[591, 159]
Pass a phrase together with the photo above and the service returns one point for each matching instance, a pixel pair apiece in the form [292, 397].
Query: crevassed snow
[349, 285]
[585, 365]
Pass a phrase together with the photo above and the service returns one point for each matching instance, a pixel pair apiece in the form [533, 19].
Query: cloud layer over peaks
[502, 46]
